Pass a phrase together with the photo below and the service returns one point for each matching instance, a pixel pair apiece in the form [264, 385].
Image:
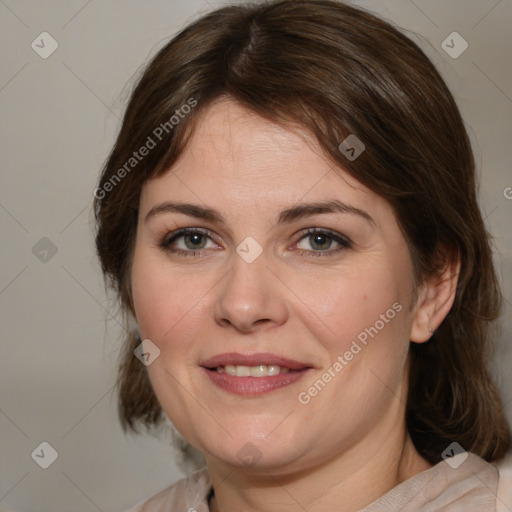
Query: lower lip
[254, 386]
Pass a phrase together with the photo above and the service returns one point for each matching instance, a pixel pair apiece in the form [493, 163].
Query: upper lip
[266, 358]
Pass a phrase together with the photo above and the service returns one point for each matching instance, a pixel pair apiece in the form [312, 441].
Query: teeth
[259, 371]
[262, 370]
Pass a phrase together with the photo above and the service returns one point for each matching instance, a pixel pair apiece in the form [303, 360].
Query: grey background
[59, 119]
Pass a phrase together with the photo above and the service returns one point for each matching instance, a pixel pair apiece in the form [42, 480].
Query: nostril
[242, 326]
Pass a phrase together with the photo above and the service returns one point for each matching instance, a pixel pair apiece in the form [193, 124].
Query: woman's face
[288, 263]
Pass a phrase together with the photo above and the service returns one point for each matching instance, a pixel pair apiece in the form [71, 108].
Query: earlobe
[435, 299]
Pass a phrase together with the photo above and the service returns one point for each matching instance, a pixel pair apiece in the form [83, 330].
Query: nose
[250, 298]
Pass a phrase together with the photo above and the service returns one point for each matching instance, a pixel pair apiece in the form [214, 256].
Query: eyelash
[342, 240]
[172, 237]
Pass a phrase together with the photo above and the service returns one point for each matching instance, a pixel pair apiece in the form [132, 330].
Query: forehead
[242, 159]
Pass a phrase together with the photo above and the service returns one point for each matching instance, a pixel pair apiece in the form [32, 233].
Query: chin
[253, 457]
[252, 450]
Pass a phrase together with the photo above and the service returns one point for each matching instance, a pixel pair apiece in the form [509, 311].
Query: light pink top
[473, 486]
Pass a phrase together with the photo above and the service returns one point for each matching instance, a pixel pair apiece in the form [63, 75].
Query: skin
[349, 444]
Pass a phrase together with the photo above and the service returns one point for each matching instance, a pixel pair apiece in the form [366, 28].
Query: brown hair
[334, 70]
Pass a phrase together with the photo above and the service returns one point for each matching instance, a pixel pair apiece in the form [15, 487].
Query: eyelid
[170, 237]
[165, 242]
[342, 240]
[339, 238]
[330, 232]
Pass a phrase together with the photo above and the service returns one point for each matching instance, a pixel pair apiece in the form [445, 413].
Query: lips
[253, 375]
[251, 360]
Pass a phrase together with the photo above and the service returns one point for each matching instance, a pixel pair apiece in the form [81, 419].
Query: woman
[289, 215]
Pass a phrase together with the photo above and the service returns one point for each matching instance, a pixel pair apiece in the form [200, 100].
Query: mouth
[253, 374]
[262, 370]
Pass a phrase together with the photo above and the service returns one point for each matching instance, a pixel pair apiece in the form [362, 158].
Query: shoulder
[456, 483]
[188, 494]
[504, 497]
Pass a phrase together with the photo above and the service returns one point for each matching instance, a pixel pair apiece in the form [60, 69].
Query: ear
[435, 299]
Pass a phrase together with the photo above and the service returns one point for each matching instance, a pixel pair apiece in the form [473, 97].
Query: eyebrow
[302, 210]
[192, 210]
[286, 216]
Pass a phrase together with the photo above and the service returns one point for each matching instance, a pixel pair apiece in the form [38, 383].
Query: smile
[253, 374]
[261, 370]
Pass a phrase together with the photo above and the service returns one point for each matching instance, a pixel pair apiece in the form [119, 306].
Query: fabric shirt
[458, 484]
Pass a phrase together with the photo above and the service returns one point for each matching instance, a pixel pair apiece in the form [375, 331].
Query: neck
[349, 481]
[318, 489]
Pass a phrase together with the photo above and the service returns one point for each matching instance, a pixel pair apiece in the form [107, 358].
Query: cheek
[361, 319]
[168, 304]
[347, 305]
